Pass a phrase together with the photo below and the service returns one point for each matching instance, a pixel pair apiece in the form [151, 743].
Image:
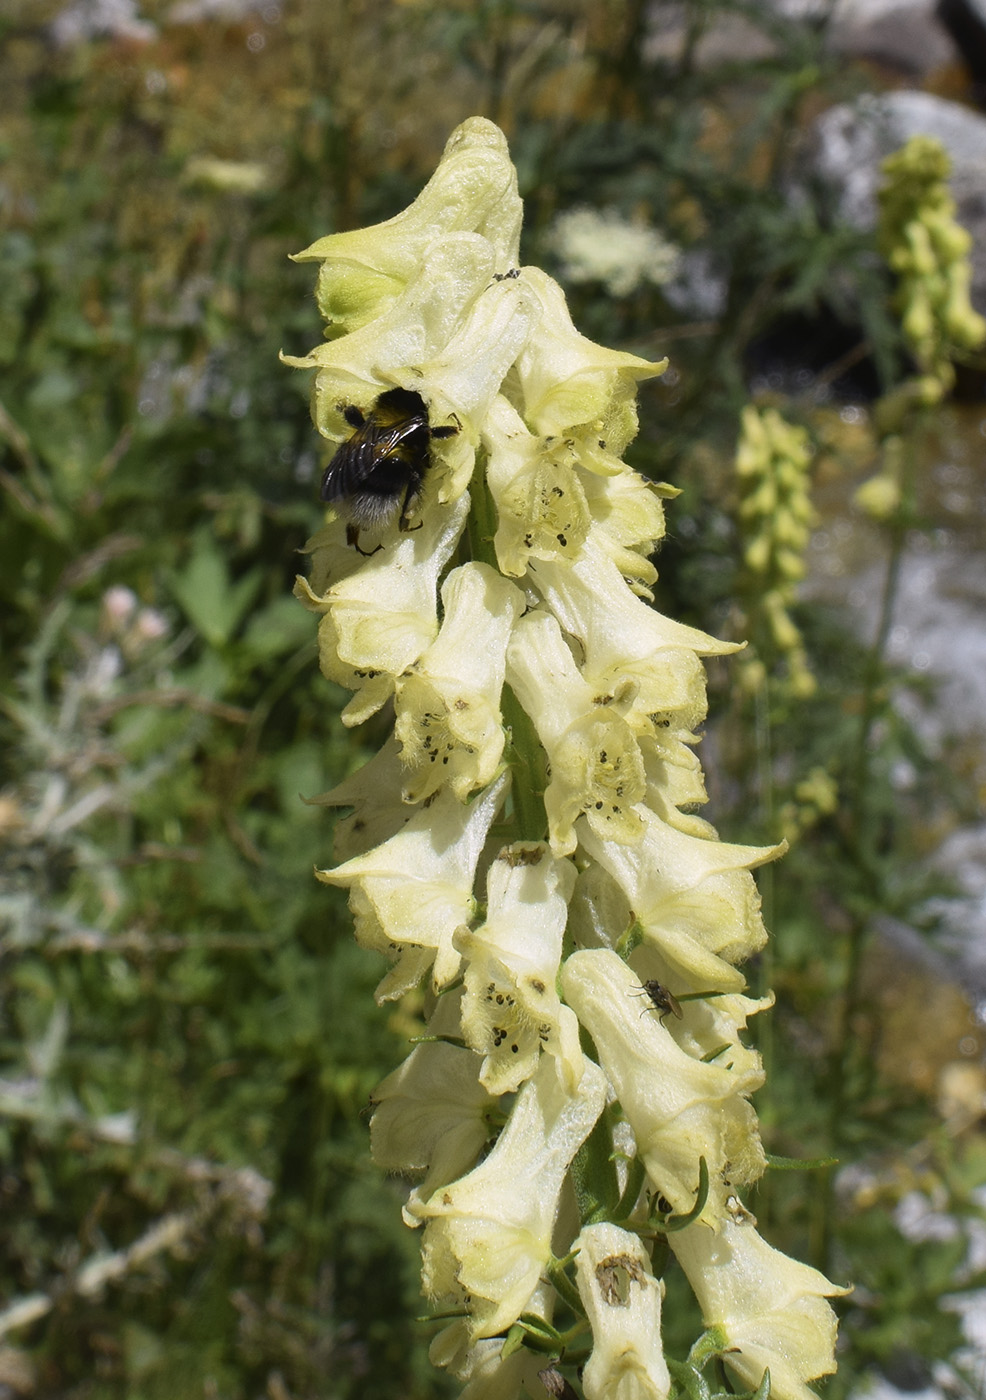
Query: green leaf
[211, 601]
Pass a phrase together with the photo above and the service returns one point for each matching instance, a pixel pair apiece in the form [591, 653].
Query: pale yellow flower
[473, 190]
[413, 892]
[694, 898]
[680, 1109]
[625, 643]
[379, 620]
[448, 702]
[511, 1011]
[414, 328]
[488, 1236]
[622, 1300]
[541, 505]
[569, 385]
[596, 765]
[771, 1309]
[431, 1114]
[374, 793]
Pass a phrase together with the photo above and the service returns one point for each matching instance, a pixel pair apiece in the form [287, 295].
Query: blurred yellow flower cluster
[776, 516]
[929, 251]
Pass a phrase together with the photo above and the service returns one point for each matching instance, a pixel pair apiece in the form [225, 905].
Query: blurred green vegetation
[188, 1038]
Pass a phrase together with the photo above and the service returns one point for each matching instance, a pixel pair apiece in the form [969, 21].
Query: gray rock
[849, 141]
[100, 19]
[904, 34]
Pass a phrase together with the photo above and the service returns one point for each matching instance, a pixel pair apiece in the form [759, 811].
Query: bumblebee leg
[352, 415]
[411, 495]
[352, 537]
[446, 430]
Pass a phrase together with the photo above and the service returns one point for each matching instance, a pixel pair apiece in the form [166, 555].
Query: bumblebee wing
[372, 443]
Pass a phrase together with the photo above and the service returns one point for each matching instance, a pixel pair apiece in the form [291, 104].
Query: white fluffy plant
[519, 844]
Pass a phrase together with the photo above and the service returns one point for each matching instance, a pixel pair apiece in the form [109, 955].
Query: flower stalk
[525, 844]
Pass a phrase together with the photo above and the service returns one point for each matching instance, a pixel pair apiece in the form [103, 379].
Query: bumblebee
[381, 468]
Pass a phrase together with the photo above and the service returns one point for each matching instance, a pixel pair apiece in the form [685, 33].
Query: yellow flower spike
[488, 1235]
[929, 251]
[448, 702]
[771, 1309]
[511, 1011]
[622, 1300]
[776, 517]
[505, 493]
[474, 189]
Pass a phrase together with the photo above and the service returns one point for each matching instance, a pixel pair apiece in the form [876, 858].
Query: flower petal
[771, 1308]
[448, 704]
[622, 1301]
[417, 887]
[488, 1235]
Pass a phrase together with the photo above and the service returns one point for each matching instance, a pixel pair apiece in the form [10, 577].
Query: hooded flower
[694, 898]
[770, 1309]
[511, 1011]
[570, 385]
[680, 1109]
[448, 715]
[541, 505]
[474, 190]
[625, 643]
[596, 766]
[622, 1301]
[488, 1235]
[431, 1115]
[377, 621]
[415, 890]
[374, 793]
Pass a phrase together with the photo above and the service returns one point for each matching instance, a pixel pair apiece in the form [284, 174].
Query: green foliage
[188, 1039]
